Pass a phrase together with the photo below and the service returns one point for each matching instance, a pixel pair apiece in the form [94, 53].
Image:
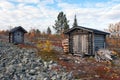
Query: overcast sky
[40, 14]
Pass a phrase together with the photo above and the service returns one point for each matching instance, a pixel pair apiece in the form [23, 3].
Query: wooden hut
[16, 35]
[84, 40]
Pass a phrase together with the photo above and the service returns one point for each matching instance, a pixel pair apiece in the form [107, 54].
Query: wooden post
[9, 37]
[93, 45]
[89, 43]
[23, 38]
[12, 40]
[104, 42]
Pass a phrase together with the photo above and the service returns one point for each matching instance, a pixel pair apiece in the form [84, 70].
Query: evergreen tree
[66, 26]
[75, 22]
[38, 31]
[48, 30]
[61, 24]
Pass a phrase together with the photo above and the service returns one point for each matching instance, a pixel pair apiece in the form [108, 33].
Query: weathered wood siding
[99, 42]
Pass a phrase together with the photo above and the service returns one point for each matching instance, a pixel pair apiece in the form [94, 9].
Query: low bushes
[46, 52]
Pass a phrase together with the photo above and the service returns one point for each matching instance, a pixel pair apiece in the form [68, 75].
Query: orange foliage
[113, 44]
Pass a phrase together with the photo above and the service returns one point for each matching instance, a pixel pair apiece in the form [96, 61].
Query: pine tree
[48, 30]
[61, 24]
[38, 31]
[66, 26]
[75, 22]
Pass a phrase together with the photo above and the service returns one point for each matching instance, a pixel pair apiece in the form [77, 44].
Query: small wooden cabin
[16, 35]
[84, 40]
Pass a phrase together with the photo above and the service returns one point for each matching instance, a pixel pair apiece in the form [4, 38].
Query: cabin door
[80, 44]
[18, 37]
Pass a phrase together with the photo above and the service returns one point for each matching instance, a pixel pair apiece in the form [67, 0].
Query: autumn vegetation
[113, 40]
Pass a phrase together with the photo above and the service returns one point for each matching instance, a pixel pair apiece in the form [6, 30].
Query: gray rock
[32, 72]
[34, 64]
[26, 54]
[70, 76]
[45, 64]
[2, 64]
[51, 62]
[46, 78]
[37, 68]
[10, 69]
[25, 60]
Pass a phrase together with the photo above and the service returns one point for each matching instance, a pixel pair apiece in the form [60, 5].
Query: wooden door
[80, 44]
[18, 37]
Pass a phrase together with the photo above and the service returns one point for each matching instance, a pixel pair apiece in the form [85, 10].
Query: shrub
[45, 51]
[48, 46]
[44, 46]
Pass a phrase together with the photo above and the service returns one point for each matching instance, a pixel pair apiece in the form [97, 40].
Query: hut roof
[87, 29]
[18, 28]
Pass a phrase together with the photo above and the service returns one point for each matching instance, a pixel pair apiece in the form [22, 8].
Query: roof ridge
[88, 29]
[16, 28]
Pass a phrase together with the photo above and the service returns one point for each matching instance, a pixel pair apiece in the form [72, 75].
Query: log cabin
[16, 35]
[85, 41]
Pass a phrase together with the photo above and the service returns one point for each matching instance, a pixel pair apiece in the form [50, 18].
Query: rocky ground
[23, 64]
[19, 63]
